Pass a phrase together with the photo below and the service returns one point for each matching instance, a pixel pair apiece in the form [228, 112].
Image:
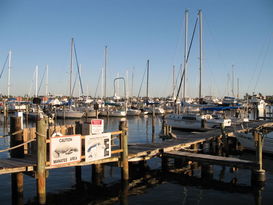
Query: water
[225, 186]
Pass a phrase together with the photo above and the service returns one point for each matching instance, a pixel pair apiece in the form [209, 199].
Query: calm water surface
[157, 187]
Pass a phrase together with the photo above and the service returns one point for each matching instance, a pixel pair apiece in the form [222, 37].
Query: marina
[140, 102]
[125, 155]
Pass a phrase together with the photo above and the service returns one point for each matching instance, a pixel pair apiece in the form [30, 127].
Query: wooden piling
[16, 137]
[258, 175]
[123, 126]
[17, 179]
[153, 124]
[78, 169]
[17, 187]
[97, 174]
[41, 136]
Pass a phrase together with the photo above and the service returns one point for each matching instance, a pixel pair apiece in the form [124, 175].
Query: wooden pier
[31, 155]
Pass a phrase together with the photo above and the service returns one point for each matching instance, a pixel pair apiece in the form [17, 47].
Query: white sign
[65, 149]
[96, 126]
[97, 147]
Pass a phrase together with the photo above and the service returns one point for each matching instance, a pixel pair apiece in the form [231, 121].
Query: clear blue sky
[236, 32]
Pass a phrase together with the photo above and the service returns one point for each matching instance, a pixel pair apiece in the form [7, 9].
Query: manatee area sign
[65, 149]
[97, 146]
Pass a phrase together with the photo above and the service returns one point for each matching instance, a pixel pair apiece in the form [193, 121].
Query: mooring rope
[11, 148]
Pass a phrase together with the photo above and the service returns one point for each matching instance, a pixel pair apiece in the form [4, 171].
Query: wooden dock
[32, 153]
[212, 160]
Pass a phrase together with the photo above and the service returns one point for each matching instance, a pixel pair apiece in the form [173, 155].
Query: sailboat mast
[200, 50]
[71, 67]
[147, 88]
[185, 52]
[232, 81]
[238, 88]
[9, 69]
[132, 86]
[173, 81]
[36, 81]
[105, 66]
[46, 85]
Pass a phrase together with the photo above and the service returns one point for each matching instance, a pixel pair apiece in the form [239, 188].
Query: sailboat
[193, 121]
[71, 112]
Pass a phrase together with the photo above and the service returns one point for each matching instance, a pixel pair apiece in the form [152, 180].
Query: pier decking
[32, 161]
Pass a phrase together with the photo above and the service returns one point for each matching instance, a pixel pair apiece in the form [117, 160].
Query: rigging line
[30, 89]
[188, 54]
[74, 85]
[192, 37]
[141, 82]
[4, 66]
[41, 81]
[98, 84]
[182, 77]
[178, 40]
[262, 50]
[78, 68]
[191, 42]
[260, 71]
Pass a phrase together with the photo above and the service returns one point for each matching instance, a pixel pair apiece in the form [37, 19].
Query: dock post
[78, 171]
[17, 179]
[224, 140]
[258, 175]
[5, 112]
[41, 135]
[153, 124]
[123, 126]
[16, 137]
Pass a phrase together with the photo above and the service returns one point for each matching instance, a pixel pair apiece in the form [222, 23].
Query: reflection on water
[181, 184]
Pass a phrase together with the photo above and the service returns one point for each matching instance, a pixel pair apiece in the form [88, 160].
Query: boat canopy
[220, 108]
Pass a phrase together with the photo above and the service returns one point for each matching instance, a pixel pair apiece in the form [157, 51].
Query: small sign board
[96, 126]
[65, 149]
[97, 146]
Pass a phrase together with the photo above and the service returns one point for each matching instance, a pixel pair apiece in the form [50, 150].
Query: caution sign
[65, 149]
[97, 147]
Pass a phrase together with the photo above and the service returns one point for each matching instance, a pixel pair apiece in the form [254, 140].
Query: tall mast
[147, 88]
[173, 81]
[102, 90]
[36, 81]
[185, 53]
[105, 66]
[127, 87]
[9, 69]
[200, 50]
[71, 67]
[232, 81]
[132, 87]
[238, 88]
[46, 85]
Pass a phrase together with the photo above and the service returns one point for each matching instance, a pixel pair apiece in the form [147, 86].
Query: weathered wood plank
[218, 160]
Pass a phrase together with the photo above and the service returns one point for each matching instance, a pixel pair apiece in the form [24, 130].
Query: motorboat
[69, 113]
[133, 112]
[194, 121]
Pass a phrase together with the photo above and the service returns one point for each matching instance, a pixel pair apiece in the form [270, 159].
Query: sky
[237, 45]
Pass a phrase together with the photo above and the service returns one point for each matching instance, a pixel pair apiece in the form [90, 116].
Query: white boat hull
[69, 114]
[131, 112]
[247, 141]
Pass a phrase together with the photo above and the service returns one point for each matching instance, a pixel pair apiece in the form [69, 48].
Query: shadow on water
[147, 185]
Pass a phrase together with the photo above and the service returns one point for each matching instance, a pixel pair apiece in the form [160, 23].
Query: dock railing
[35, 144]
